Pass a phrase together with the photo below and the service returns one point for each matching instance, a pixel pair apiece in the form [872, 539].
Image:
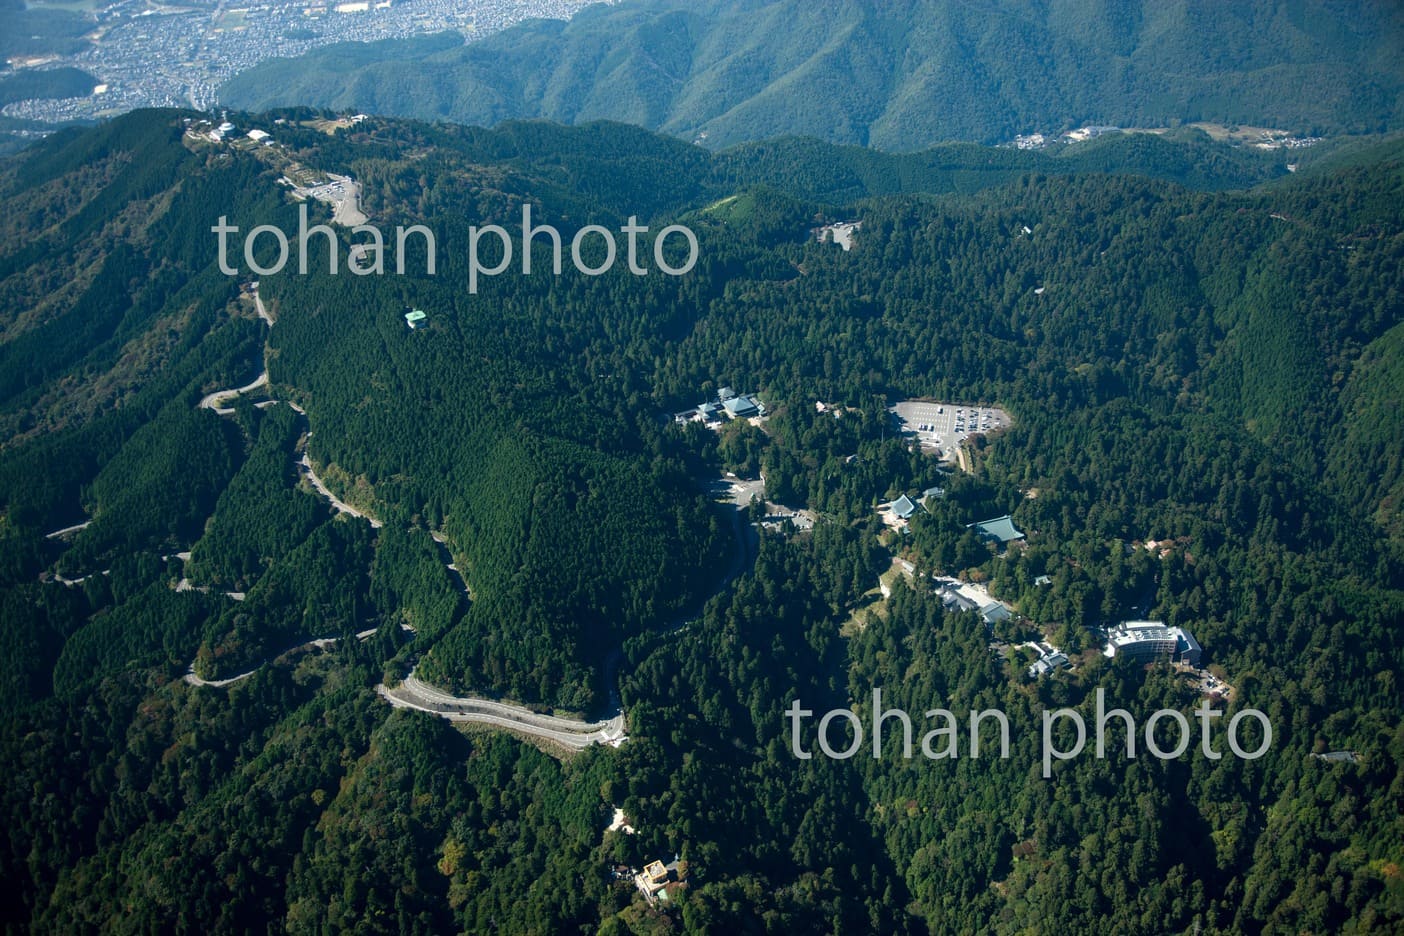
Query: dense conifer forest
[1201, 359]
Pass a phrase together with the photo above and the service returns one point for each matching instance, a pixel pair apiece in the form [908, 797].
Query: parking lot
[942, 426]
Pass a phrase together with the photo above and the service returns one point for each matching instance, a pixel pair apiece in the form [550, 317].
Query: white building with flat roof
[1152, 640]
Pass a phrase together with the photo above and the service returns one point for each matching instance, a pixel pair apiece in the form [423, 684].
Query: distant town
[147, 55]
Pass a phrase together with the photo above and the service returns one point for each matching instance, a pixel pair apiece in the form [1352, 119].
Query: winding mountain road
[215, 401]
[321, 643]
[414, 693]
[574, 734]
[337, 503]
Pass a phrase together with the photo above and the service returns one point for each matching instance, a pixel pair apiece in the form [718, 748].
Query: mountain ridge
[724, 72]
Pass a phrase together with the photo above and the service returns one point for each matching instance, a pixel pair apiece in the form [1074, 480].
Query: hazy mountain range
[894, 75]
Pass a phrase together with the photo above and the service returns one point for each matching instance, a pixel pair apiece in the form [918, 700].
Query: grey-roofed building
[937, 492]
[741, 407]
[725, 393]
[903, 507]
[1048, 663]
[1000, 530]
[955, 601]
[1187, 649]
[995, 612]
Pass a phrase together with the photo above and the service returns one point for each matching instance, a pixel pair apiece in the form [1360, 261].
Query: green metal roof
[1000, 528]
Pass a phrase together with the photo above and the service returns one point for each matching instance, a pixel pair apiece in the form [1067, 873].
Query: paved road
[194, 680]
[67, 530]
[571, 733]
[320, 643]
[305, 464]
[258, 304]
[442, 541]
[58, 577]
[335, 501]
[215, 401]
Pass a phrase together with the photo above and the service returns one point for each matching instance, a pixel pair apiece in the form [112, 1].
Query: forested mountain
[897, 76]
[1195, 348]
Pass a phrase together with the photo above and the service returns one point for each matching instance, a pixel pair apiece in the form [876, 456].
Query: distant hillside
[898, 75]
[832, 173]
[25, 31]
